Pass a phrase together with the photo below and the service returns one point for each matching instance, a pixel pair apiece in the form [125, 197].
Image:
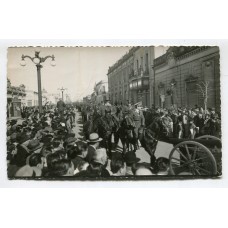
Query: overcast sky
[77, 69]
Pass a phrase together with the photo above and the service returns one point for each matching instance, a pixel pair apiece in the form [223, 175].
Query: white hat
[94, 137]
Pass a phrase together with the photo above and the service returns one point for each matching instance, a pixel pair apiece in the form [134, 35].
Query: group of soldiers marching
[122, 121]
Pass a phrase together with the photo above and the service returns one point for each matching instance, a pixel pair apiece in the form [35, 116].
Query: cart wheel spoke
[186, 147]
[198, 159]
[194, 153]
[195, 158]
[197, 172]
[203, 170]
[178, 150]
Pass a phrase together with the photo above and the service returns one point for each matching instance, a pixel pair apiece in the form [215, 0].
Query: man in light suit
[93, 145]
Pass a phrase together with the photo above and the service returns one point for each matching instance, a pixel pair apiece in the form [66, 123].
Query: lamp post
[154, 86]
[37, 60]
[62, 90]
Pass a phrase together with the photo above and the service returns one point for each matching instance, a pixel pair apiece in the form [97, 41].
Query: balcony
[132, 74]
[141, 83]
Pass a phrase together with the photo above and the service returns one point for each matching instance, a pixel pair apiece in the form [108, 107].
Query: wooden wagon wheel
[208, 137]
[217, 155]
[192, 158]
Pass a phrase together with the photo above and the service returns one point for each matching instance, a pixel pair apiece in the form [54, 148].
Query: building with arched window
[184, 75]
[167, 76]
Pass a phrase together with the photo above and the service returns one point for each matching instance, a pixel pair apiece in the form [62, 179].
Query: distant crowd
[190, 122]
[45, 145]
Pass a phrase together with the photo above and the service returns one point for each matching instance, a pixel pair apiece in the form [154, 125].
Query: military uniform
[117, 118]
[139, 121]
[105, 131]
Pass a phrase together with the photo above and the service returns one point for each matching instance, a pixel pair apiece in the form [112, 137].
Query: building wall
[143, 60]
[118, 81]
[188, 71]
[101, 91]
[134, 66]
[179, 70]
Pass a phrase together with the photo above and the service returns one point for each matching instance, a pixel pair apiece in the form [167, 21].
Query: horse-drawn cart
[201, 156]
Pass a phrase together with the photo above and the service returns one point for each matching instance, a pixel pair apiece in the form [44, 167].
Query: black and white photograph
[113, 113]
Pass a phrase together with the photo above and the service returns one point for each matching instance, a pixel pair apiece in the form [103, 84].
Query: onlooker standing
[131, 161]
[61, 106]
[93, 144]
[118, 167]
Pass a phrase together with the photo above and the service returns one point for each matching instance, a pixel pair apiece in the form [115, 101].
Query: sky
[77, 68]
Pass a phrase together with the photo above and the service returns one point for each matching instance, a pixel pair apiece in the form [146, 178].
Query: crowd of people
[191, 122]
[184, 122]
[45, 145]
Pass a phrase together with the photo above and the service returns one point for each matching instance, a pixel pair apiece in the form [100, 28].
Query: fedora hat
[70, 140]
[34, 144]
[130, 158]
[94, 137]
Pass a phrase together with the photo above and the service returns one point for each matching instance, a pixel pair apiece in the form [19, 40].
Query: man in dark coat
[107, 126]
[61, 106]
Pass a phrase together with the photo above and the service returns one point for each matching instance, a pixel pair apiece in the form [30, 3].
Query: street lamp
[153, 71]
[62, 90]
[37, 60]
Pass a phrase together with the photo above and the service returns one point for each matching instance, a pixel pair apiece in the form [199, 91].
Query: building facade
[15, 99]
[101, 92]
[118, 78]
[184, 74]
[129, 79]
[167, 76]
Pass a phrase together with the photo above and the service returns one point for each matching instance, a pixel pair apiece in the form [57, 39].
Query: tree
[204, 89]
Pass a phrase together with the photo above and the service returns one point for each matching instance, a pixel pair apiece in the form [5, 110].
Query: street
[163, 149]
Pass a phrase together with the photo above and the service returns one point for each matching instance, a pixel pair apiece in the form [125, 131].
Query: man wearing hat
[61, 107]
[34, 146]
[131, 161]
[33, 168]
[97, 167]
[93, 145]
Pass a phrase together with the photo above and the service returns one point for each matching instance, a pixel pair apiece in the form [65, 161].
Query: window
[147, 62]
[142, 62]
[137, 64]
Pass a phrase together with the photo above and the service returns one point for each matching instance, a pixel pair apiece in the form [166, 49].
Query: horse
[159, 129]
[126, 134]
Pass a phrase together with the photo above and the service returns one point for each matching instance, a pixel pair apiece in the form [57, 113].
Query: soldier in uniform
[106, 129]
[117, 118]
[102, 109]
[139, 121]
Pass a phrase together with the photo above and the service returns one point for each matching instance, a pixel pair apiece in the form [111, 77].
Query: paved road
[163, 149]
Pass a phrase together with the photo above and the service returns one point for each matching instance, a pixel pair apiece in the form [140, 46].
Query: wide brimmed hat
[130, 158]
[34, 144]
[70, 140]
[94, 137]
[21, 138]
